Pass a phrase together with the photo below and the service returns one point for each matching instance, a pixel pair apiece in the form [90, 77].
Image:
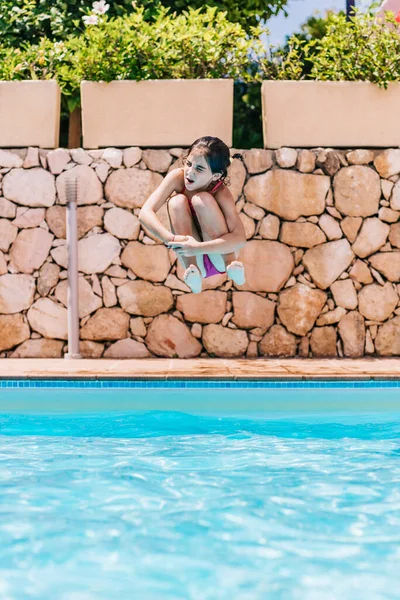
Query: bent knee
[178, 203]
[203, 199]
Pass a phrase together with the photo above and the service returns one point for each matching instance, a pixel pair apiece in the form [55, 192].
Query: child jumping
[206, 231]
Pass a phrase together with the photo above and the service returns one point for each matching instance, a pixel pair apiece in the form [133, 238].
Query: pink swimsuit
[208, 265]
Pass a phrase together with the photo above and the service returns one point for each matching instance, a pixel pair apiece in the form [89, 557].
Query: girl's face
[198, 175]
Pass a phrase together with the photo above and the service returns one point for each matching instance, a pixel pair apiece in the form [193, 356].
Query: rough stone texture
[251, 310]
[373, 235]
[299, 308]
[48, 318]
[8, 210]
[29, 217]
[30, 249]
[88, 217]
[102, 171]
[331, 317]
[377, 302]
[248, 224]
[278, 342]
[132, 156]
[48, 278]
[387, 163]
[88, 300]
[113, 156]
[388, 215]
[344, 294]
[89, 349]
[387, 263]
[147, 262]
[306, 161]
[16, 293]
[56, 220]
[206, 307]
[360, 272]
[89, 188]
[330, 227]
[351, 227]
[30, 187]
[130, 188]
[357, 191]
[394, 235]
[286, 157]
[257, 160]
[328, 161]
[395, 197]
[327, 262]
[323, 342]
[253, 211]
[122, 224]
[360, 157]
[13, 331]
[97, 252]
[109, 294]
[57, 160]
[144, 298]
[127, 348]
[157, 160]
[167, 336]
[3, 264]
[41, 348]
[10, 159]
[174, 283]
[352, 332]
[269, 227]
[387, 187]
[81, 157]
[311, 253]
[8, 233]
[237, 176]
[387, 342]
[223, 342]
[138, 327]
[106, 324]
[304, 235]
[268, 265]
[288, 194]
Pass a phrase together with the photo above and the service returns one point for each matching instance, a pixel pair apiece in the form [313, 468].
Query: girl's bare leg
[182, 223]
[213, 225]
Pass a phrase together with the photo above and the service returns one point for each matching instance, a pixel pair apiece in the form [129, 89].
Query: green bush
[27, 21]
[195, 44]
[359, 49]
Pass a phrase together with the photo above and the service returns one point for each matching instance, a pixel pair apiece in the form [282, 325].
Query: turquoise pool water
[196, 501]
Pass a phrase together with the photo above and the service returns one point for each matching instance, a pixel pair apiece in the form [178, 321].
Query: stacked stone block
[322, 258]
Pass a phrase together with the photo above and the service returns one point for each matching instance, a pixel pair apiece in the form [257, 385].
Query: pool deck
[222, 369]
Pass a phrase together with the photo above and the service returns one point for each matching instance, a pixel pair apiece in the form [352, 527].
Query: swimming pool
[138, 490]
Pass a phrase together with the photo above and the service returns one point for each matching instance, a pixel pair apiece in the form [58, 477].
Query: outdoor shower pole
[71, 189]
[350, 6]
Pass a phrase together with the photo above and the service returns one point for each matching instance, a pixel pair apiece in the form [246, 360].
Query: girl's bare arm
[171, 183]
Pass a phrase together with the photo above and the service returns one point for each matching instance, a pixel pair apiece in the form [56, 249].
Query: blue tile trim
[194, 384]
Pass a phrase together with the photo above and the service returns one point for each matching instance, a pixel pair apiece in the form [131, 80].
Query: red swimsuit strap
[216, 186]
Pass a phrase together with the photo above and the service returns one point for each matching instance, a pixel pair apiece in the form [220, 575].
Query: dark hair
[216, 152]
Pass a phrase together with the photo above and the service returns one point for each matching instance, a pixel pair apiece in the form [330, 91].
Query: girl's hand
[188, 247]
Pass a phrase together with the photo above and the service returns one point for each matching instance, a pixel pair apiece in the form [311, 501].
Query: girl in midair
[206, 231]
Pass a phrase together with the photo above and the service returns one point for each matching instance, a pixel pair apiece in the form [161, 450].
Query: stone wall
[322, 258]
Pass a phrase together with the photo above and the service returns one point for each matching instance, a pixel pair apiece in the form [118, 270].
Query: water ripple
[176, 507]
